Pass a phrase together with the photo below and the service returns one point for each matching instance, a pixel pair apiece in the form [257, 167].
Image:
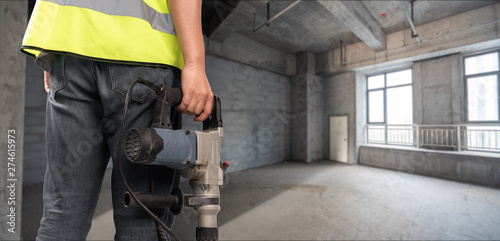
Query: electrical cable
[120, 166]
[161, 232]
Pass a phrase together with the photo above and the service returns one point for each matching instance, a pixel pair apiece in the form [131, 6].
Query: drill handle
[214, 120]
[164, 112]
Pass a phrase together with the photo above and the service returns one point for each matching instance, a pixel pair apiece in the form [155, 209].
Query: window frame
[384, 91]
[466, 87]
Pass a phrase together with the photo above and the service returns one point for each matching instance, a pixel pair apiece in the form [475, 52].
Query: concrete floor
[331, 201]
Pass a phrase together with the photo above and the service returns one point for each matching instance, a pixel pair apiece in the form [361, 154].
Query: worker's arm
[197, 94]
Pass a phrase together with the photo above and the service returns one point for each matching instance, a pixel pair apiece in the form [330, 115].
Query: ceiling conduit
[275, 16]
[410, 21]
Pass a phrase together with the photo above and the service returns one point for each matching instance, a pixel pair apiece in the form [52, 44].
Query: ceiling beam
[354, 15]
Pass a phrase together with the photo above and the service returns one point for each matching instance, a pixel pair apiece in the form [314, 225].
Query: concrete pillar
[12, 79]
[299, 118]
[438, 91]
[307, 111]
[457, 90]
[417, 93]
[361, 115]
[439, 82]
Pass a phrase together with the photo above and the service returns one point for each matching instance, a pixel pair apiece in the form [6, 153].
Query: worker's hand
[197, 97]
[46, 76]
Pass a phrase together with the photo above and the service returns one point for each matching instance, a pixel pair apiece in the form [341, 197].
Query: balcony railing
[441, 137]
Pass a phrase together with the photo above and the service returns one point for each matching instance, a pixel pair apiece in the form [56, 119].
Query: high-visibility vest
[125, 31]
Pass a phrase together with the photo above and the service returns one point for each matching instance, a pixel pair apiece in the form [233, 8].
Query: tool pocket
[57, 79]
[122, 77]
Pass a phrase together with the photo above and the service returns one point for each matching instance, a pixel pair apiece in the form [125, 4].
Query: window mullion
[385, 109]
[385, 98]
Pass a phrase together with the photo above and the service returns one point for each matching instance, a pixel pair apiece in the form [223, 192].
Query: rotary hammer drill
[196, 155]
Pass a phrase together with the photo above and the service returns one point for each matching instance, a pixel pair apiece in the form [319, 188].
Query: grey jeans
[84, 114]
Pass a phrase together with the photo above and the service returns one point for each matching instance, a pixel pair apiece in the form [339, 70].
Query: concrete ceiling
[423, 11]
[317, 26]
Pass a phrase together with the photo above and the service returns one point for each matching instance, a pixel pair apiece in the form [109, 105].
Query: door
[339, 138]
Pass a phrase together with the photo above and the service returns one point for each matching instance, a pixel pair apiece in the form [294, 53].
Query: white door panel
[339, 138]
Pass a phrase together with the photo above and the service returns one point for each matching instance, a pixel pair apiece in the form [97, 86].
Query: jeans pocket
[122, 77]
[57, 79]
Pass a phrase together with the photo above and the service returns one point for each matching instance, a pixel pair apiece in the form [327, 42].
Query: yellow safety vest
[124, 31]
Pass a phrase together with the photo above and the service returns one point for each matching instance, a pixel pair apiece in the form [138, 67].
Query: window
[390, 108]
[482, 87]
[390, 98]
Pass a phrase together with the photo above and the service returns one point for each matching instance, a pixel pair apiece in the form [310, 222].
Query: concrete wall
[256, 110]
[244, 50]
[340, 99]
[13, 19]
[460, 166]
[438, 94]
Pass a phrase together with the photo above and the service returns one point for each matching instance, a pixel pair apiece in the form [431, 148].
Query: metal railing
[441, 137]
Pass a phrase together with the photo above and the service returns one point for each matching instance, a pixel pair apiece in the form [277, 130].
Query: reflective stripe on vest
[159, 21]
[134, 31]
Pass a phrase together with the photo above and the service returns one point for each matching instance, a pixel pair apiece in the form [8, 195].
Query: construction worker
[91, 52]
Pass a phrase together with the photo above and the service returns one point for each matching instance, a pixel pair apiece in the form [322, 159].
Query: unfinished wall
[256, 110]
[241, 49]
[460, 166]
[438, 91]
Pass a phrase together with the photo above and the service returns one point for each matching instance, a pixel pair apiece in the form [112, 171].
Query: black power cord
[120, 145]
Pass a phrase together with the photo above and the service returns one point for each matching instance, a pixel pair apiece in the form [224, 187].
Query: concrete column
[12, 79]
[457, 90]
[361, 115]
[299, 118]
[417, 92]
[315, 113]
[437, 91]
[307, 111]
